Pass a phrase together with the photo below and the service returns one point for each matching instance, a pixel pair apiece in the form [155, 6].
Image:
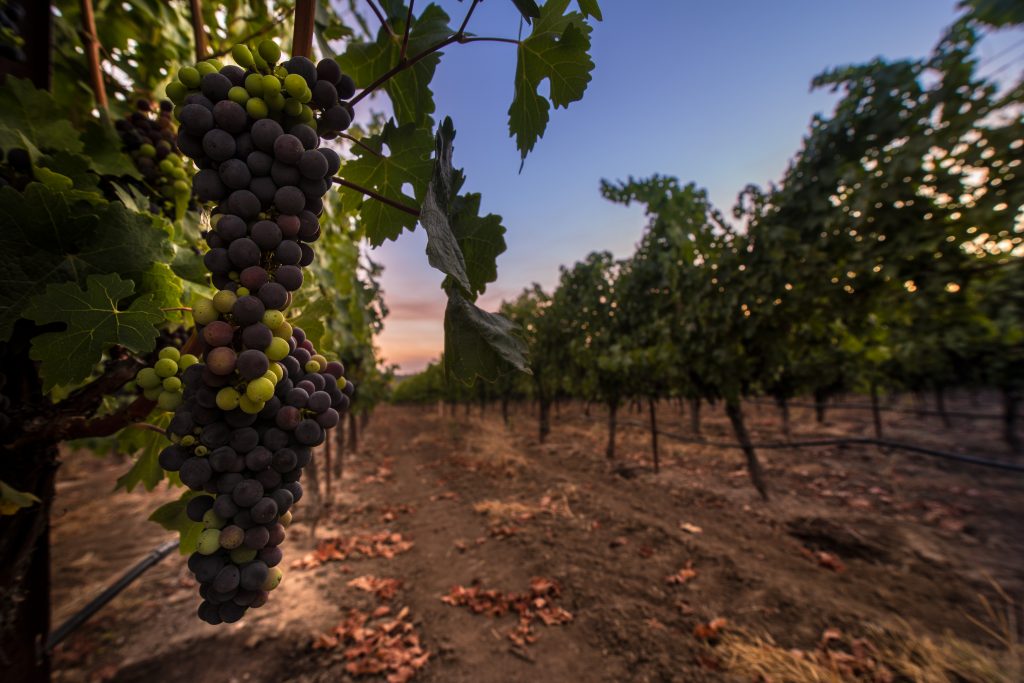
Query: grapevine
[255, 398]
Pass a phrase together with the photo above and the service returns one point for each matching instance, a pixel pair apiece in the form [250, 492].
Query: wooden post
[92, 52]
[302, 40]
[199, 30]
[735, 413]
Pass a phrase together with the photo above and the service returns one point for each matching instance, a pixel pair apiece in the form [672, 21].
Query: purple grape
[254, 277]
[274, 295]
[252, 364]
[259, 458]
[288, 418]
[266, 234]
[289, 277]
[246, 493]
[264, 511]
[257, 336]
[248, 310]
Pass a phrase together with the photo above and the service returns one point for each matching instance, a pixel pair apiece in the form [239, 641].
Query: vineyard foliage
[887, 258]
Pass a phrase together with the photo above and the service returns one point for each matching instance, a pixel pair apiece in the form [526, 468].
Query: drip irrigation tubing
[112, 591]
[841, 441]
[881, 409]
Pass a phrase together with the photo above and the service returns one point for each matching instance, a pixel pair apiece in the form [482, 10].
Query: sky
[711, 92]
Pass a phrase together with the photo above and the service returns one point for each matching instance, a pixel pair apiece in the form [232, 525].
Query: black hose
[80, 617]
[843, 441]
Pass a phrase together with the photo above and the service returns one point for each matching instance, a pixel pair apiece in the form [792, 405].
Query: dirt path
[850, 543]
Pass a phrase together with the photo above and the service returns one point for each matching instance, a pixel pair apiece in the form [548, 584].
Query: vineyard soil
[850, 540]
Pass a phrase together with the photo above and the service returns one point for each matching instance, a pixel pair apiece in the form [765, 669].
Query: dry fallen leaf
[684, 575]
[690, 528]
[710, 630]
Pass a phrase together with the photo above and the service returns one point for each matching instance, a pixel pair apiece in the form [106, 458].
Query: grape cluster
[259, 397]
[162, 382]
[149, 138]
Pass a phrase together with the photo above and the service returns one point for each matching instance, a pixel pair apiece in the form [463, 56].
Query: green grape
[242, 56]
[166, 166]
[308, 117]
[169, 352]
[270, 51]
[178, 173]
[284, 331]
[278, 349]
[209, 542]
[286, 518]
[233, 275]
[249, 406]
[275, 101]
[172, 384]
[280, 71]
[147, 378]
[203, 312]
[278, 371]
[187, 361]
[270, 376]
[271, 84]
[293, 107]
[153, 394]
[238, 94]
[215, 63]
[321, 361]
[242, 555]
[168, 400]
[176, 92]
[188, 440]
[231, 537]
[202, 450]
[242, 291]
[305, 96]
[224, 300]
[227, 398]
[260, 389]
[147, 150]
[254, 85]
[189, 77]
[273, 318]
[257, 108]
[312, 366]
[211, 520]
[181, 187]
[295, 85]
[205, 68]
[165, 367]
[274, 577]
[261, 64]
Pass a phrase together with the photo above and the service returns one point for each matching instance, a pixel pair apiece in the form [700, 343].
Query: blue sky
[713, 92]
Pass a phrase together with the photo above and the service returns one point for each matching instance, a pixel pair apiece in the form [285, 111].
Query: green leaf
[104, 148]
[481, 240]
[556, 51]
[590, 8]
[161, 283]
[173, 517]
[528, 8]
[36, 115]
[94, 323]
[443, 250]
[409, 91]
[12, 500]
[408, 162]
[311, 319]
[478, 343]
[146, 469]
[76, 167]
[47, 237]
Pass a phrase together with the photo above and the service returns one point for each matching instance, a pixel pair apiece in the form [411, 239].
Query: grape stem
[383, 20]
[362, 144]
[198, 30]
[405, 39]
[177, 308]
[403, 64]
[285, 13]
[150, 427]
[92, 51]
[379, 197]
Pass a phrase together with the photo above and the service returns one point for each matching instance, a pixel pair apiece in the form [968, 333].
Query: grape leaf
[47, 238]
[556, 51]
[443, 250]
[408, 162]
[146, 469]
[12, 500]
[311, 319]
[94, 323]
[590, 8]
[173, 517]
[35, 114]
[478, 343]
[409, 91]
[481, 240]
[103, 147]
[528, 8]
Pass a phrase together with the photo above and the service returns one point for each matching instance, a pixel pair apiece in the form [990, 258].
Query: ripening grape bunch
[149, 138]
[251, 395]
